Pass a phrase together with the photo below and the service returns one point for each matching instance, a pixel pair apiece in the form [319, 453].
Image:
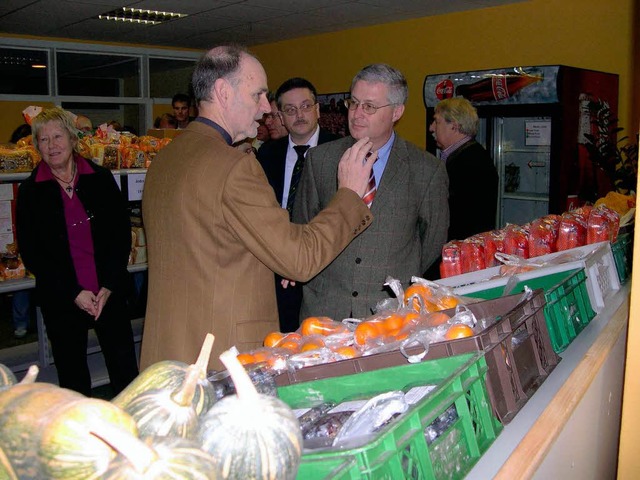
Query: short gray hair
[383, 73]
[461, 111]
[219, 62]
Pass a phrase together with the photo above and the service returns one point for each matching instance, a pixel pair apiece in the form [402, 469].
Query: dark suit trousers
[67, 329]
[289, 301]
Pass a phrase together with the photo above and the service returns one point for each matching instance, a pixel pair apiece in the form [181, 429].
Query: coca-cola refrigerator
[533, 122]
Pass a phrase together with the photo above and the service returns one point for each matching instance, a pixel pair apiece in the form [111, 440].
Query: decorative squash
[170, 375]
[251, 435]
[7, 378]
[44, 431]
[6, 470]
[171, 413]
[69, 451]
[160, 458]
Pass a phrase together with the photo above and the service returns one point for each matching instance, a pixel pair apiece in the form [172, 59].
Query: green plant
[617, 158]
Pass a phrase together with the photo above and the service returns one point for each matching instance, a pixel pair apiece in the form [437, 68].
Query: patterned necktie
[295, 176]
[371, 190]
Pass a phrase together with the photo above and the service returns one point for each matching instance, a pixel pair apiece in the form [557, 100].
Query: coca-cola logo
[444, 89]
[499, 86]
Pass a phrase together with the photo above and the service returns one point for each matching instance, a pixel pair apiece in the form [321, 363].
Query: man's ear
[221, 91]
[398, 111]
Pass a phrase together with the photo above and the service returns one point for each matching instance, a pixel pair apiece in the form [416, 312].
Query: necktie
[295, 176]
[371, 190]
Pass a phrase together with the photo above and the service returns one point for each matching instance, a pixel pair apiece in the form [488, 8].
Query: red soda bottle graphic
[496, 87]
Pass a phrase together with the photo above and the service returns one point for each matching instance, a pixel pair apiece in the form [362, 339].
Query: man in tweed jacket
[410, 204]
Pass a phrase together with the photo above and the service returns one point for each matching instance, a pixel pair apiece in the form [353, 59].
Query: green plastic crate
[623, 255]
[568, 308]
[401, 450]
[329, 468]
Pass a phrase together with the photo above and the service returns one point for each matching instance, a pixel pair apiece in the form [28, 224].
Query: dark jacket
[272, 155]
[473, 191]
[44, 244]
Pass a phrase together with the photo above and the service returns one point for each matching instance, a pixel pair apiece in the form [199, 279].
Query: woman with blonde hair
[74, 235]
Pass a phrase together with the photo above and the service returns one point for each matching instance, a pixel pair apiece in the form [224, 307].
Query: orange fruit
[311, 344]
[392, 324]
[246, 358]
[291, 342]
[347, 351]
[437, 318]
[415, 292]
[365, 331]
[317, 325]
[272, 339]
[458, 330]
[260, 356]
[448, 301]
[411, 318]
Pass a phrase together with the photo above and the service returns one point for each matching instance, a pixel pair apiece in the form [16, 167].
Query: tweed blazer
[215, 233]
[412, 217]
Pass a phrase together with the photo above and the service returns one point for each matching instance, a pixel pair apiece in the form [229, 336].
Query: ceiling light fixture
[38, 65]
[137, 15]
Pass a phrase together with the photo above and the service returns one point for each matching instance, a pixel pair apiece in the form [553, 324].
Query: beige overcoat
[215, 233]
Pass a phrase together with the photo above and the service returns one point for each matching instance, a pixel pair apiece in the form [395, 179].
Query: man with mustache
[409, 201]
[299, 111]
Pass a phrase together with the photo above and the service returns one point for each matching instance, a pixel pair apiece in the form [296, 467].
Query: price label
[135, 184]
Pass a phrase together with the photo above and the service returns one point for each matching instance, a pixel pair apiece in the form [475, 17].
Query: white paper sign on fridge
[537, 133]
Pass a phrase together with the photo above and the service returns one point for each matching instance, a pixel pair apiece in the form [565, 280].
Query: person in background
[299, 110]
[262, 136]
[407, 196]
[473, 178]
[84, 124]
[211, 266]
[273, 121]
[74, 235]
[181, 105]
[166, 120]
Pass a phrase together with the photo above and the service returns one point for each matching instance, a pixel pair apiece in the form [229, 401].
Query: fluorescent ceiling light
[137, 15]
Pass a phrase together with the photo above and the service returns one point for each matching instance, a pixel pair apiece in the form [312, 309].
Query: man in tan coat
[215, 229]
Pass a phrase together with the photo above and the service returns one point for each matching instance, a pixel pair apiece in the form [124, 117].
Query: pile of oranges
[422, 308]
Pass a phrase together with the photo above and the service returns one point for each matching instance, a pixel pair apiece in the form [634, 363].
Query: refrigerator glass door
[522, 152]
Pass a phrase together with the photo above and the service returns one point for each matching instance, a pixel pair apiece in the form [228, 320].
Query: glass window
[168, 77]
[129, 117]
[98, 75]
[24, 71]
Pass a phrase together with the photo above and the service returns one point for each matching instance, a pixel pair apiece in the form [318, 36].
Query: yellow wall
[583, 33]
[590, 34]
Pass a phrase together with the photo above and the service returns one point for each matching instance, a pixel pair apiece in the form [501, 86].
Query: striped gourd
[251, 435]
[171, 375]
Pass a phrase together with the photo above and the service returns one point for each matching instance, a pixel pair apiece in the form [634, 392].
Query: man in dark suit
[473, 178]
[299, 111]
[408, 196]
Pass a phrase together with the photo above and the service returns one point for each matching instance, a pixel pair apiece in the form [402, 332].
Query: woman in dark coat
[74, 235]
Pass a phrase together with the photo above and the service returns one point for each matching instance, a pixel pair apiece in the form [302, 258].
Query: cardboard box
[164, 132]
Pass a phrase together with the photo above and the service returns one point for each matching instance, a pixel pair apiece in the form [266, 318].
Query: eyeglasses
[367, 108]
[291, 110]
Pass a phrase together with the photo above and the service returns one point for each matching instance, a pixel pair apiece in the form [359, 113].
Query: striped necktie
[371, 190]
[296, 174]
